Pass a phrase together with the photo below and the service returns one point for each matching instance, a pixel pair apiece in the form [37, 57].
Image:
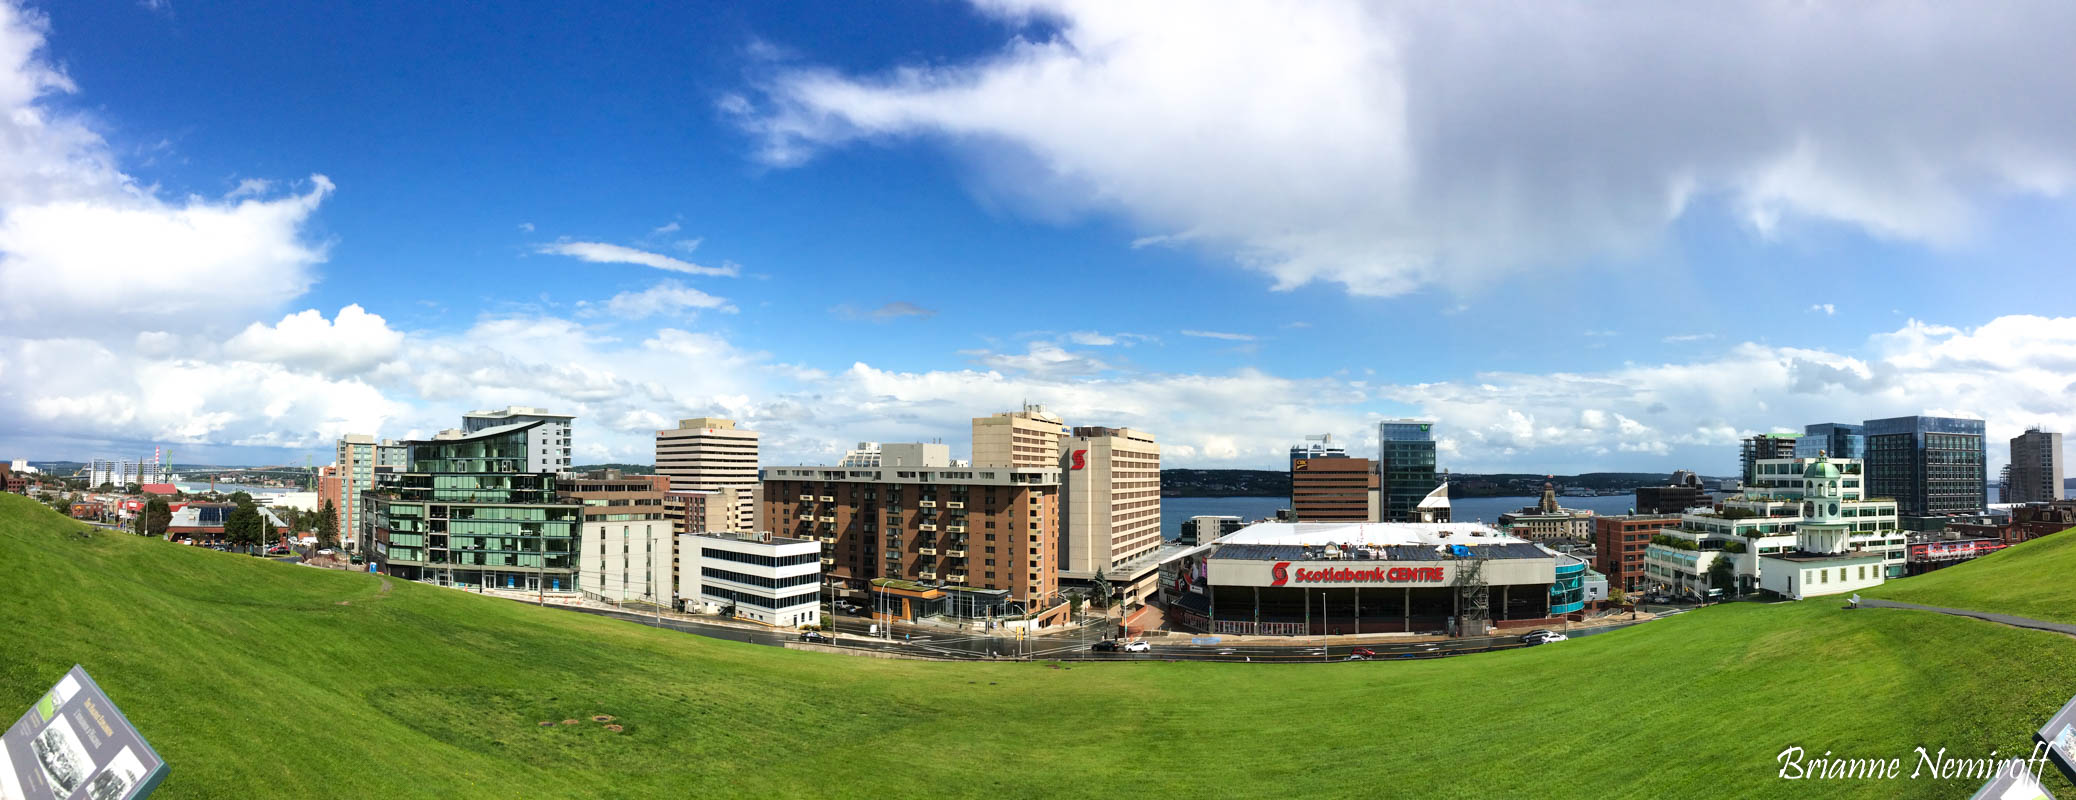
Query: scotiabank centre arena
[1329, 578]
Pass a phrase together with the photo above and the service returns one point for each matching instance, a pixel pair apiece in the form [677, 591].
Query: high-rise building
[1761, 447]
[1027, 438]
[1683, 493]
[710, 453]
[1321, 446]
[625, 543]
[470, 513]
[1333, 489]
[1110, 509]
[1832, 439]
[1405, 466]
[1202, 530]
[2036, 468]
[1932, 466]
[353, 471]
[550, 449]
[993, 528]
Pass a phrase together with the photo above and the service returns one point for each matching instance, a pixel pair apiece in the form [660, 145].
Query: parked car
[1105, 646]
[814, 636]
[1361, 654]
[277, 550]
[325, 552]
[1137, 647]
[1543, 637]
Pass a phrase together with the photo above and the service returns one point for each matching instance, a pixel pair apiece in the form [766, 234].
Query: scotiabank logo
[1279, 573]
[1371, 575]
[1078, 454]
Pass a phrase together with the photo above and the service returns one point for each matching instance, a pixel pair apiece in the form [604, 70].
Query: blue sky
[1619, 260]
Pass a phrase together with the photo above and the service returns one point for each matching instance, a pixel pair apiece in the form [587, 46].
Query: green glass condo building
[466, 512]
[1405, 462]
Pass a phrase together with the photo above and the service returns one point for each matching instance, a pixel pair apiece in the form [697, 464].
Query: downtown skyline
[242, 235]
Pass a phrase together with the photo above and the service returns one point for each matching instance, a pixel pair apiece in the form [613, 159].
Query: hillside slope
[257, 678]
[2035, 579]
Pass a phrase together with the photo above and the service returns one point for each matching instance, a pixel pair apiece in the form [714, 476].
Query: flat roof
[1428, 534]
[1799, 557]
[750, 538]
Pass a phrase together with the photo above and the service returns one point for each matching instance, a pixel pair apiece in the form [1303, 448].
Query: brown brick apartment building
[976, 526]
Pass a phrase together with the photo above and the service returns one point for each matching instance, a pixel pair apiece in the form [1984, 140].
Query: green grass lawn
[258, 678]
[2036, 579]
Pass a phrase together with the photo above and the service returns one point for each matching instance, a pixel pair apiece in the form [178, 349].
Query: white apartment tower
[710, 453]
[548, 449]
[1112, 497]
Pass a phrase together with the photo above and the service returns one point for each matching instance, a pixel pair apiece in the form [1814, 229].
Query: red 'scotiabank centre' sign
[1282, 575]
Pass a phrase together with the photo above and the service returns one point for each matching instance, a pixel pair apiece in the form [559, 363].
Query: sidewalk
[2003, 619]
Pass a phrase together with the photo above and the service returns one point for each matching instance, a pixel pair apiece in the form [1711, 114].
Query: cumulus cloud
[1826, 308]
[350, 343]
[1390, 146]
[603, 253]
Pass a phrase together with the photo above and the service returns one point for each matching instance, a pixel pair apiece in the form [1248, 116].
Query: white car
[1137, 647]
[325, 552]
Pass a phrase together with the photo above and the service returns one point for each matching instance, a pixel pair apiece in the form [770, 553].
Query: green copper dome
[1820, 468]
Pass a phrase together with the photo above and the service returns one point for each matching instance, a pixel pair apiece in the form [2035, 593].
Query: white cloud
[1391, 146]
[1688, 337]
[353, 342]
[668, 227]
[80, 240]
[1827, 308]
[526, 227]
[667, 297]
[890, 311]
[602, 253]
[1231, 337]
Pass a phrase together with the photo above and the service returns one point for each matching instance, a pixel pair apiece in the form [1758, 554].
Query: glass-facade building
[467, 513]
[1405, 463]
[1835, 439]
[1930, 465]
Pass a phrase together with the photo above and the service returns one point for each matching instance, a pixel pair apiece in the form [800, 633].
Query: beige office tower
[709, 453]
[1110, 517]
[1027, 438]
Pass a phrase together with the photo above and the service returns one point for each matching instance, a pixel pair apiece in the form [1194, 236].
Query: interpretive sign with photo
[73, 743]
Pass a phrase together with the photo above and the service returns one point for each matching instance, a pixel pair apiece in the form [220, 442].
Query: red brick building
[1618, 546]
[1333, 489]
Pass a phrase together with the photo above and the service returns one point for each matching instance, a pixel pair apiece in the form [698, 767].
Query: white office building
[547, 447]
[755, 576]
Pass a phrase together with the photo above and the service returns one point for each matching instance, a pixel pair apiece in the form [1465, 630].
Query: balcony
[830, 518]
[928, 576]
[954, 504]
[955, 553]
[954, 529]
[827, 539]
[807, 498]
[928, 551]
[828, 499]
[927, 504]
[956, 577]
[927, 526]
[828, 561]
[807, 518]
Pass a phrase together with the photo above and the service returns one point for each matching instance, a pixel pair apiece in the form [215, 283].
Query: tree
[158, 514]
[1722, 575]
[242, 527]
[328, 525]
[241, 498]
[1102, 598]
[1617, 597]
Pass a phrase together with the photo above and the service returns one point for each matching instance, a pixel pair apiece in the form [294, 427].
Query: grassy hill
[2029, 580]
[252, 677]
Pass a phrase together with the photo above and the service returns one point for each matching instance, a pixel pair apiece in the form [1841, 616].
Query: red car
[1361, 654]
